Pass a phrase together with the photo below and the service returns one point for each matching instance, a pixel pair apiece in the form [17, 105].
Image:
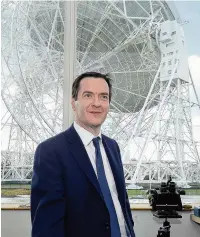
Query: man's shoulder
[56, 140]
[58, 137]
[52, 141]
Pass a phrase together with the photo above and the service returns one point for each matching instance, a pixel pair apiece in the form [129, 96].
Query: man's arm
[47, 194]
[127, 200]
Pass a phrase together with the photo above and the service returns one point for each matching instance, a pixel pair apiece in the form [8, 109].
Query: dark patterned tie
[115, 230]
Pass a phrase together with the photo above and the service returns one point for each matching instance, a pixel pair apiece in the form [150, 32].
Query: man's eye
[88, 95]
[104, 97]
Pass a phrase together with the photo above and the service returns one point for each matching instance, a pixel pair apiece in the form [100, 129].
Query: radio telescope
[123, 38]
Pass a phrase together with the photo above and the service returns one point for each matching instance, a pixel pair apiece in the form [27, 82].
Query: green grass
[14, 192]
[132, 193]
[135, 192]
[15, 186]
[10, 192]
[192, 191]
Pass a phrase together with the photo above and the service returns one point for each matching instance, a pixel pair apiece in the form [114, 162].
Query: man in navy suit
[78, 187]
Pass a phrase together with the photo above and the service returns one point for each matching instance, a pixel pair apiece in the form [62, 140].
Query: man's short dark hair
[76, 83]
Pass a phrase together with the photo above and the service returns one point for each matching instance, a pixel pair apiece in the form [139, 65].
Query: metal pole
[69, 61]
[178, 131]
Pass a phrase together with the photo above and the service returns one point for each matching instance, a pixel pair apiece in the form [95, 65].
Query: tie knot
[96, 141]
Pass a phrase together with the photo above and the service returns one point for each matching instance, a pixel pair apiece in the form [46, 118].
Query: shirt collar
[85, 135]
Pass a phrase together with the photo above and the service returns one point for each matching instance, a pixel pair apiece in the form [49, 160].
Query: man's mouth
[95, 112]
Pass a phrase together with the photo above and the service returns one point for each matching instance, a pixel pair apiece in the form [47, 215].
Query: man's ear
[73, 104]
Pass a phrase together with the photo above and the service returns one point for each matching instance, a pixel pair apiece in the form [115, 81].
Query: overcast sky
[189, 12]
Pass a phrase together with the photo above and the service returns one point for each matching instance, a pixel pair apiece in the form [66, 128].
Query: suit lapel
[79, 152]
[116, 170]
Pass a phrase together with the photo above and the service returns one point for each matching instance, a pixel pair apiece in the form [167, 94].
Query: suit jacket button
[107, 226]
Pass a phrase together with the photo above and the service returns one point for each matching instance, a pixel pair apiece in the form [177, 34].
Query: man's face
[92, 104]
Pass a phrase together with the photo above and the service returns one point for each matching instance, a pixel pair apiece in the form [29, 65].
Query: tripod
[165, 230]
[166, 211]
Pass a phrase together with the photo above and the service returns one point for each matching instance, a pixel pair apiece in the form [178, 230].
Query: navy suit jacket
[66, 199]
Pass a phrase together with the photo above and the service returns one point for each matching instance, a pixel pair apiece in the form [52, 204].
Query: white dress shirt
[86, 138]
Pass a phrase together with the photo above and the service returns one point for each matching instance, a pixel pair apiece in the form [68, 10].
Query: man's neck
[92, 129]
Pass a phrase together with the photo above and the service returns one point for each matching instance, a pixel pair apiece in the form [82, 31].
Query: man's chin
[95, 124]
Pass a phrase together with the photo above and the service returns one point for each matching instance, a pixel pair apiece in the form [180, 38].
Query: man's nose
[96, 101]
